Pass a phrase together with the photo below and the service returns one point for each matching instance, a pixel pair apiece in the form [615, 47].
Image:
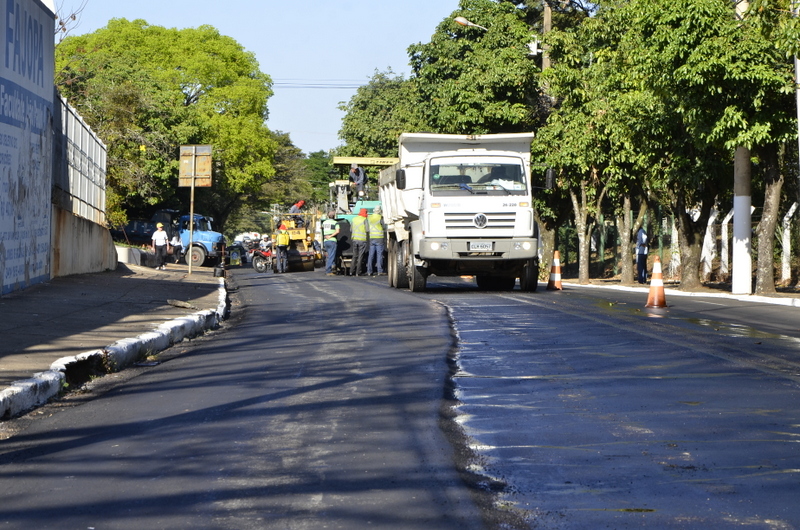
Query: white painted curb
[758, 299]
[30, 393]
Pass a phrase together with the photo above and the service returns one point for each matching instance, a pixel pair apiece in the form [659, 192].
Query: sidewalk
[111, 318]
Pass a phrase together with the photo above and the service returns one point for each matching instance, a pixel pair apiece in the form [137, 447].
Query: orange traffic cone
[656, 297]
[554, 284]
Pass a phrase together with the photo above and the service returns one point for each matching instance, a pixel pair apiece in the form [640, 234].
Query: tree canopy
[146, 90]
[377, 114]
[476, 80]
[661, 94]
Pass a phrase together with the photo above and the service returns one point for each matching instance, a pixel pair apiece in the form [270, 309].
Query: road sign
[195, 167]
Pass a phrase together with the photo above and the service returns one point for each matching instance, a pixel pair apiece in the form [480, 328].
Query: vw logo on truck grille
[480, 220]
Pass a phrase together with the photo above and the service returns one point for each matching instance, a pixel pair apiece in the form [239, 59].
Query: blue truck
[207, 246]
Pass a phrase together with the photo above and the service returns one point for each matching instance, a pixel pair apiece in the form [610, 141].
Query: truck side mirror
[400, 179]
[550, 179]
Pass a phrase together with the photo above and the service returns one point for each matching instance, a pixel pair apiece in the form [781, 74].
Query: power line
[342, 84]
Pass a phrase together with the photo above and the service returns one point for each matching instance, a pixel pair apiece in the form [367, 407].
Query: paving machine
[305, 252]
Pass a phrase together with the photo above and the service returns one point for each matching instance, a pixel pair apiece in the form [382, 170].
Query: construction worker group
[366, 238]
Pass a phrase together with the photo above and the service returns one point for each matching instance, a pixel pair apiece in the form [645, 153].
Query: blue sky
[297, 43]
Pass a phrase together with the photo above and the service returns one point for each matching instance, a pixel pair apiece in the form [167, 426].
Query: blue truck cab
[206, 245]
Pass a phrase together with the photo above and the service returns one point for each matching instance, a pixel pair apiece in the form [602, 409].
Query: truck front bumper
[478, 249]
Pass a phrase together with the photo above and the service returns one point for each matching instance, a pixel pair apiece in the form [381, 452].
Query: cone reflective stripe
[656, 297]
[554, 284]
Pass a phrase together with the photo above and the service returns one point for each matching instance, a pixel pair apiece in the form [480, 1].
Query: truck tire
[401, 270]
[416, 276]
[391, 266]
[529, 280]
[196, 256]
[418, 280]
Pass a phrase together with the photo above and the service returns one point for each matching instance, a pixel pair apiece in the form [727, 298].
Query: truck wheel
[260, 264]
[197, 256]
[401, 270]
[418, 279]
[529, 280]
[416, 276]
[391, 266]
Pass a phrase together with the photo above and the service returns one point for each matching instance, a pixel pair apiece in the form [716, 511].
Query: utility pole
[742, 266]
[742, 278]
[796, 12]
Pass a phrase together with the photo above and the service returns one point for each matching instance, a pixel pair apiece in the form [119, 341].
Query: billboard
[26, 115]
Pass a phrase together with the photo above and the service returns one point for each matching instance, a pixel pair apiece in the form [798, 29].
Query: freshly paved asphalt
[68, 316]
[72, 315]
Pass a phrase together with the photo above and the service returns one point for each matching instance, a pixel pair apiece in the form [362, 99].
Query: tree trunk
[627, 235]
[547, 237]
[584, 229]
[691, 234]
[624, 225]
[584, 223]
[773, 180]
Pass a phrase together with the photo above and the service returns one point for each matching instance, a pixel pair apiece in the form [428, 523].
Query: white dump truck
[458, 205]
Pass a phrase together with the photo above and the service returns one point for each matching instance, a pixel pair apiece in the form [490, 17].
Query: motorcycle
[262, 259]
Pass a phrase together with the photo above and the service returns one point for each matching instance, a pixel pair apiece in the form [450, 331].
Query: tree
[146, 90]
[686, 85]
[589, 135]
[319, 165]
[475, 81]
[67, 20]
[377, 114]
[733, 88]
[292, 180]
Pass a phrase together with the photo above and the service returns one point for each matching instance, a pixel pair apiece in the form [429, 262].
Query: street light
[464, 22]
[533, 47]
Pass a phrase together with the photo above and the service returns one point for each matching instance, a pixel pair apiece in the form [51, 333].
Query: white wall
[26, 112]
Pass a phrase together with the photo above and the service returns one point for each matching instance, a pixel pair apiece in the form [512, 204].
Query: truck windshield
[202, 225]
[477, 175]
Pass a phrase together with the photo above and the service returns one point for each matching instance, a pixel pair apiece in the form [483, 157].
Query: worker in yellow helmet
[282, 248]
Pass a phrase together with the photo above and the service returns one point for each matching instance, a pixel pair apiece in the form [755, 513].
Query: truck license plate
[480, 246]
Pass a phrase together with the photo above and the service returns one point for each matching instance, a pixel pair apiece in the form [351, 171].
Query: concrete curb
[757, 299]
[28, 394]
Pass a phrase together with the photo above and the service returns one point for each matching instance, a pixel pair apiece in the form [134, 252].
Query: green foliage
[321, 173]
[471, 80]
[377, 114]
[656, 96]
[292, 179]
[146, 90]
[733, 86]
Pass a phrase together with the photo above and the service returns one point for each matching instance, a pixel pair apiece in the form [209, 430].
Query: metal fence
[79, 165]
